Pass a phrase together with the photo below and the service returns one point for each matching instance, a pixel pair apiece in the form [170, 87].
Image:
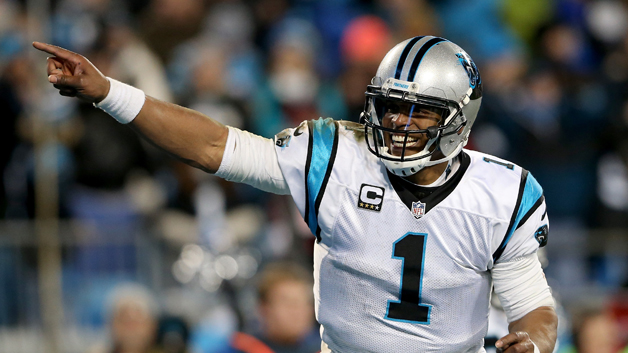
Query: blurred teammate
[412, 231]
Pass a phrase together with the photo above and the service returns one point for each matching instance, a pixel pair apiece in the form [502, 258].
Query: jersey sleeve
[521, 286]
[306, 155]
[529, 225]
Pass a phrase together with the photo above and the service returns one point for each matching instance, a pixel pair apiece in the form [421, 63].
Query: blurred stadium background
[88, 209]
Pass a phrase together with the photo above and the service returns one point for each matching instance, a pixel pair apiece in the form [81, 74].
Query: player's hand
[73, 75]
[516, 342]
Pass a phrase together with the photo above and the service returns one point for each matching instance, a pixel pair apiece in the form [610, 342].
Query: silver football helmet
[422, 74]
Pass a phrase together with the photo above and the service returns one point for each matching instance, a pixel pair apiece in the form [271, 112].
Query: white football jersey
[398, 267]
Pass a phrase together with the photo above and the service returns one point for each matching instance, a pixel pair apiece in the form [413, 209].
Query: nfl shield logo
[418, 209]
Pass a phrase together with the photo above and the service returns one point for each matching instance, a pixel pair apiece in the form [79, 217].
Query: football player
[412, 230]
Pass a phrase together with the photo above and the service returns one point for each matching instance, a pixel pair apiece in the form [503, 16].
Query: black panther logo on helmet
[475, 81]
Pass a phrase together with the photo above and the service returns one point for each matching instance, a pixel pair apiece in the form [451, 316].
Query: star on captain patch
[418, 209]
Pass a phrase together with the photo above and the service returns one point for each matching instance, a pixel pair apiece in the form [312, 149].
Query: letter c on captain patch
[371, 197]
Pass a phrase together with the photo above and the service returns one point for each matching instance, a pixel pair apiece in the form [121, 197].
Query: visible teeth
[400, 138]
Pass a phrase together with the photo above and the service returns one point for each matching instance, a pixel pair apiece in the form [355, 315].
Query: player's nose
[401, 120]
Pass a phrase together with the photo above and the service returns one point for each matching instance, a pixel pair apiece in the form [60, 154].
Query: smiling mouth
[397, 141]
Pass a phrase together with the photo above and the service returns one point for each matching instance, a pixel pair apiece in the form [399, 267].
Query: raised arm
[189, 135]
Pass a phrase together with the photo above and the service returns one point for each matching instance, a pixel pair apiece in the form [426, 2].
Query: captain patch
[371, 197]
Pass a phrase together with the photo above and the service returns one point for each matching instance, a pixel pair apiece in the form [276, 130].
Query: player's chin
[398, 151]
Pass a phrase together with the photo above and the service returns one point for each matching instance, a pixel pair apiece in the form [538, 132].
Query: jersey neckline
[430, 196]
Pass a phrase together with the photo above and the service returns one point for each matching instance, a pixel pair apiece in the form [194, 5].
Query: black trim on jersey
[404, 56]
[536, 205]
[310, 143]
[409, 192]
[419, 56]
[330, 166]
[522, 186]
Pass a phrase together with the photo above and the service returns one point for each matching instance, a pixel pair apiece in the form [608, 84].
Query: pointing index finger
[55, 50]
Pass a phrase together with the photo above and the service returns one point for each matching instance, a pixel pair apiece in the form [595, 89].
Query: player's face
[405, 116]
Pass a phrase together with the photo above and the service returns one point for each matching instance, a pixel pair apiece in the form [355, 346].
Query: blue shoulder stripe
[530, 193]
[321, 155]
[536, 205]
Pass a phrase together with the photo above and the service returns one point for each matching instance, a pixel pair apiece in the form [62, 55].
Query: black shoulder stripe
[310, 144]
[404, 55]
[502, 246]
[536, 205]
[419, 56]
[330, 166]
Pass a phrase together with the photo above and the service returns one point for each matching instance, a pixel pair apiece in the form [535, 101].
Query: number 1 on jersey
[410, 249]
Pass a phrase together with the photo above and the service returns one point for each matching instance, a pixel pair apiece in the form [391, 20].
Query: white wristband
[123, 102]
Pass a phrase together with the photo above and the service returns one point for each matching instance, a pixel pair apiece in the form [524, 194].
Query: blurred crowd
[555, 76]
